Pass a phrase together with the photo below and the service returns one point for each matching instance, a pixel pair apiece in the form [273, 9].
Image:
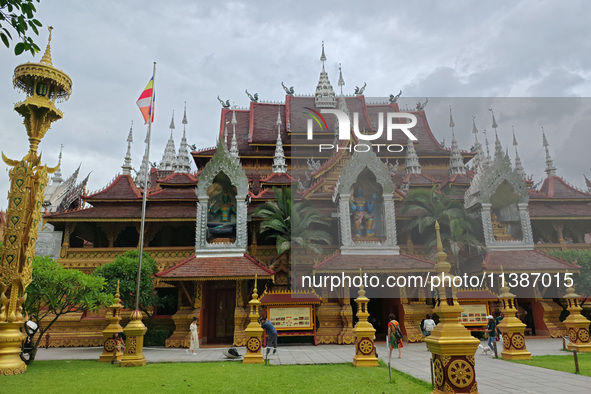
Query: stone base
[580, 348]
[516, 355]
[253, 359]
[137, 360]
[365, 361]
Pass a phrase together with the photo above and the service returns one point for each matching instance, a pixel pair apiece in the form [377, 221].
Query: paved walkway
[493, 375]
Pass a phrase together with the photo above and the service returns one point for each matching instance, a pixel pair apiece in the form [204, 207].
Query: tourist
[119, 338]
[499, 318]
[194, 344]
[394, 335]
[271, 333]
[491, 329]
[427, 325]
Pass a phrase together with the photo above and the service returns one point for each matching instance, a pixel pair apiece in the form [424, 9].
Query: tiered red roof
[525, 260]
[375, 264]
[122, 188]
[556, 187]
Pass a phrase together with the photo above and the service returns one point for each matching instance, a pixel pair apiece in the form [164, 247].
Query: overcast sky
[205, 49]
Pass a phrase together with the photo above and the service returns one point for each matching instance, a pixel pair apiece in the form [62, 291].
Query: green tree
[458, 227]
[124, 270]
[292, 225]
[56, 291]
[583, 279]
[19, 16]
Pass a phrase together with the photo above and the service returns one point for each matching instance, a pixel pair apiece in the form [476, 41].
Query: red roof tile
[278, 179]
[288, 298]
[564, 209]
[371, 263]
[173, 193]
[179, 179]
[216, 268]
[525, 260]
[178, 210]
[122, 188]
[556, 187]
[476, 294]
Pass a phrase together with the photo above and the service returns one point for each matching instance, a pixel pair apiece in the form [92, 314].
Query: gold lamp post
[512, 328]
[451, 344]
[576, 324]
[110, 351]
[365, 351]
[254, 332]
[44, 85]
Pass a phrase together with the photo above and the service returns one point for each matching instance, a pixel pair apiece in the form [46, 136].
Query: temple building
[201, 230]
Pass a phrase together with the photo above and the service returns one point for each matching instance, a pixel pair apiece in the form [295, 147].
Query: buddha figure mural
[364, 204]
[221, 222]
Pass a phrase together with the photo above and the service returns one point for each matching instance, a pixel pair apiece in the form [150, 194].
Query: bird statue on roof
[254, 98]
[393, 99]
[359, 90]
[290, 91]
[225, 104]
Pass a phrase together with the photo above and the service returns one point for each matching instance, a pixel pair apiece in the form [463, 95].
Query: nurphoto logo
[394, 121]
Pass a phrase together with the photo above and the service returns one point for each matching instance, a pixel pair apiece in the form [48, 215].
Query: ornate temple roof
[216, 268]
[525, 260]
[375, 264]
[121, 188]
[556, 187]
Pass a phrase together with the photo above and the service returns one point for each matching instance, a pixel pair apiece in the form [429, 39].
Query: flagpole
[147, 167]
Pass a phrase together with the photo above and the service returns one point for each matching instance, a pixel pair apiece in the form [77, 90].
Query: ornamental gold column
[134, 342]
[254, 332]
[365, 351]
[512, 328]
[44, 85]
[577, 325]
[109, 343]
[451, 344]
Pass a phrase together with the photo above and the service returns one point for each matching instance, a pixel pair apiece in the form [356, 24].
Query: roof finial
[185, 115]
[171, 127]
[456, 161]
[324, 96]
[411, 162]
[234, 144]
[518, 166]
[127, 161]
[279, 165]
[494, 122]
[46, 59]
[488, 160]
[479, 159]
[57, 178]
[323, 56]
[550, 169]
[341, 80]
[498, 147]
[182, 163]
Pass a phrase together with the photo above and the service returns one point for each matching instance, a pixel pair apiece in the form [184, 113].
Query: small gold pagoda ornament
[577, 325]
[365, 350]
[134, 343]
[512, 329]
[110, 350]
[451, 344]
[254, 332]
[44, 85]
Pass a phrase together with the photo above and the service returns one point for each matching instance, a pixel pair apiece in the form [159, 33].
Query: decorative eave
[216, 268]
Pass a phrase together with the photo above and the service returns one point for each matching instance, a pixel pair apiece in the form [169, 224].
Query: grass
[227, 377]
[564, 363]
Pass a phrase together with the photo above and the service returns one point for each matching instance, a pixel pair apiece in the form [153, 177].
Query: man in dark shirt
[271, 333]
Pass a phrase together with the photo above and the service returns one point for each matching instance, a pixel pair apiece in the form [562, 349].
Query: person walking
[271, 333]
[394, 335]
[194, 344]
[491, 329]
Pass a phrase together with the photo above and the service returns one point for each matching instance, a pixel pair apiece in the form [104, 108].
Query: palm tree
[291, 225]
[458, 227]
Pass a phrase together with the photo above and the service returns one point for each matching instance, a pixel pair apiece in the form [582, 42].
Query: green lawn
[564, 363]
[230, 377]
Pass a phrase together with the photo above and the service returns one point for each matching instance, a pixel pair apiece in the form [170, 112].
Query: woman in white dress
[194, 337]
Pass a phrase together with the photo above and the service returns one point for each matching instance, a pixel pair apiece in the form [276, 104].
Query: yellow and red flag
[146, 101]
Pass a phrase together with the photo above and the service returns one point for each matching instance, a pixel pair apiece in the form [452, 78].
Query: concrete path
[493, 375]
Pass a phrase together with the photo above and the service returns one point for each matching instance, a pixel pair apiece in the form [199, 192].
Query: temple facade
[201, 230]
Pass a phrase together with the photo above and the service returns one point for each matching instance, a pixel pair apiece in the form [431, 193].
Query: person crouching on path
[271, 333]
[394, 335]
[119, 338]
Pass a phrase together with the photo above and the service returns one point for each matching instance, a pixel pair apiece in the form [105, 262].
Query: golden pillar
[577, 325]
[109, 343]
[43, 84]
[254, 332]
[134, 343]
[451, 344]
[365, 351]
[512, 328]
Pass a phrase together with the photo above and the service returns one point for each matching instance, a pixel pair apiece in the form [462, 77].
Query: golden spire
[254, 292]
[46, 59]
[442, 265]
[117, 291]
